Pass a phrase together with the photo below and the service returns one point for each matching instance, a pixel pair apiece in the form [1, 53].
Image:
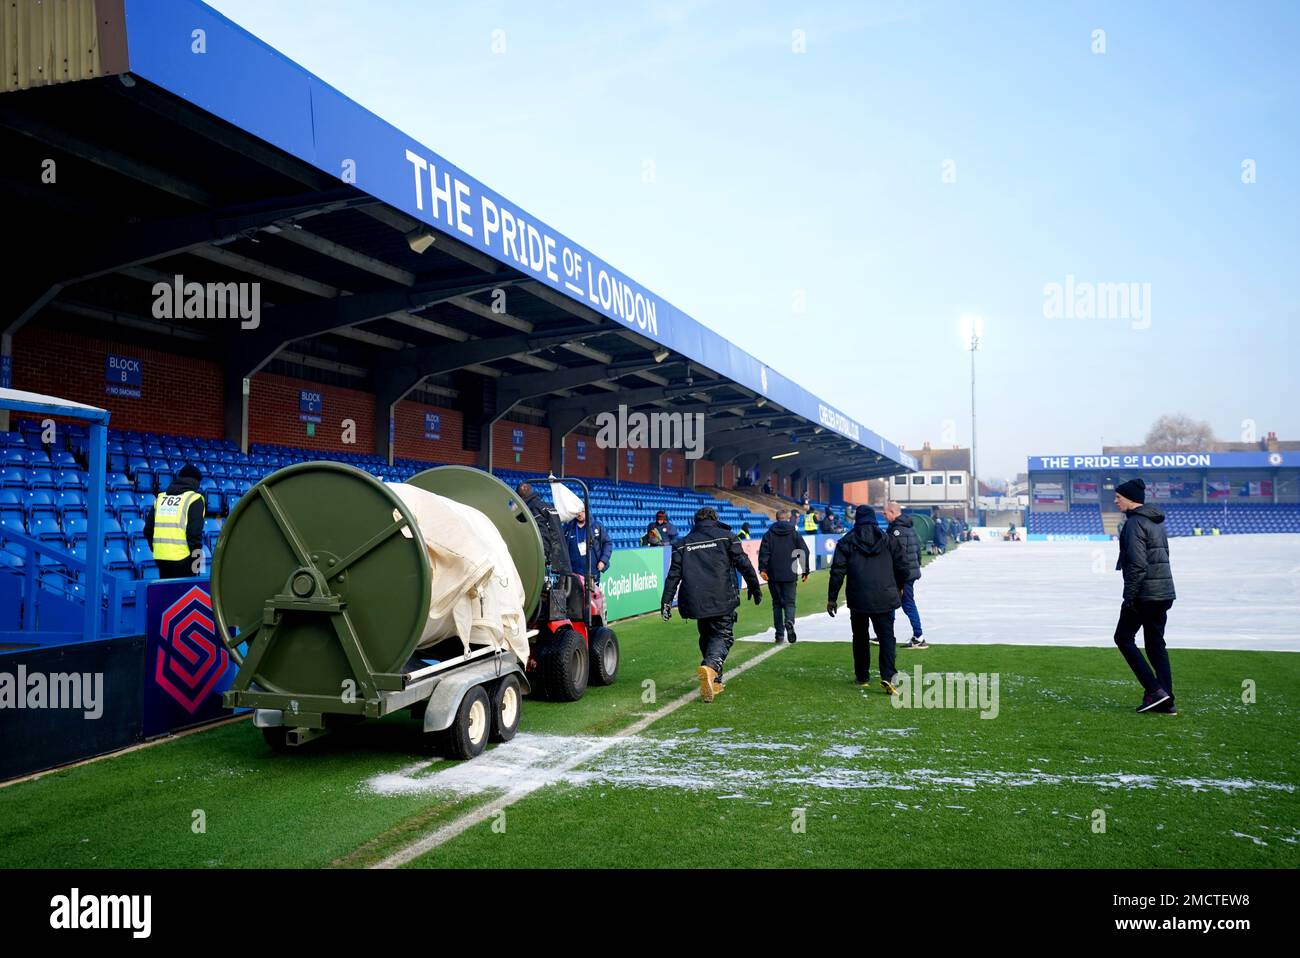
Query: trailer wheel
[468, 735]
[507, 700]
[277, 737]
[604, 656]
[562, 663]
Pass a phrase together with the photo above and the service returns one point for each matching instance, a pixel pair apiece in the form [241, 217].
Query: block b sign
[122, 377]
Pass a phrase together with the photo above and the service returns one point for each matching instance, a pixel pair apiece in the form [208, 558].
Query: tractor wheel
[562, 662]
[604, 656]
[468, 735]
[507, 699]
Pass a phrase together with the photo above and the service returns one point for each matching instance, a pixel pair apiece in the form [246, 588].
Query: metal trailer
[321, 589]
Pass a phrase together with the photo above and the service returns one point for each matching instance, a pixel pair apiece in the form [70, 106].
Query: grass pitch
[792, 766]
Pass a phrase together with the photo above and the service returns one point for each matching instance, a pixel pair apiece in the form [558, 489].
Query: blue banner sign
[1166, 460]
[432, 425]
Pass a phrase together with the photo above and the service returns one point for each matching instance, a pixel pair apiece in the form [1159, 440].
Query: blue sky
[782, 178]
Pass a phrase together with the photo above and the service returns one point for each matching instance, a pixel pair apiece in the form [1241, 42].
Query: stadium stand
[1079, 520]
[142, 464]
[1181, 519]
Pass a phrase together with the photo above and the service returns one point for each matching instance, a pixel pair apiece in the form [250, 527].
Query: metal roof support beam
[514, 389]
[564, 416]
[250, 350]
[399, 373]
[143, 243]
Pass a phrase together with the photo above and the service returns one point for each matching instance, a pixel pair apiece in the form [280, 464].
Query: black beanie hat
[189, 471]
[863, 516]
[1134, 490]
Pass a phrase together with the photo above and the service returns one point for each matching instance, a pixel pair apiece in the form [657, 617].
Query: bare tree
[1179, 433]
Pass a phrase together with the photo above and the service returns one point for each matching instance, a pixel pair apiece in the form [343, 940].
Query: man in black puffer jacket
[901, 529]
[1148, 595]
[704, 563]
[876, 570]
[782, 559]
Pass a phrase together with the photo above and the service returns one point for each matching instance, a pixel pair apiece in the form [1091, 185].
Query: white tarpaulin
[567, 503]
[477, 593]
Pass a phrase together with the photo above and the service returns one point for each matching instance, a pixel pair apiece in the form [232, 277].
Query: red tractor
[569, 653]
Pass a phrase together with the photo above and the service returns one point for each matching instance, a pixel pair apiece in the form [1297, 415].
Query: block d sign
[432, 425]
[309, 405]
[122, 377]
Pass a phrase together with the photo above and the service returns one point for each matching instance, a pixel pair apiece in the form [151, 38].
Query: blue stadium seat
[74, 527]
[117, 561]
[133, 526]
[70, 479]
[141, 558]
[70, 501]
[113, 530]
[40, 502]
[123, 503]
[46, 529]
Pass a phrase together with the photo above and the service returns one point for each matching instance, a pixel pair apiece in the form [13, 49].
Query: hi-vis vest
[169, 520]
[809, 523]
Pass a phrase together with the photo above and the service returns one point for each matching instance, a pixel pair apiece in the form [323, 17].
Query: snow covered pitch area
[1234, 592]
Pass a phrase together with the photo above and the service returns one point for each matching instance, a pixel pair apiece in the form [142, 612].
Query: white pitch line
[467, 821]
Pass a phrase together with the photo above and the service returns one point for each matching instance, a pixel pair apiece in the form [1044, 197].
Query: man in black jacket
[555, 550]
[782, 559]
[901, 529]
[876, 571]
[705, 562]
[1148, 595]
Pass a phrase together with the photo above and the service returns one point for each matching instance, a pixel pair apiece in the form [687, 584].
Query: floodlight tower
[972, 328]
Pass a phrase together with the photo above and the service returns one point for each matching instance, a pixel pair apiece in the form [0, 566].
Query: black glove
[830, 608]
[1128, 605]
[756, 594]
[805, 577]
[666, 611]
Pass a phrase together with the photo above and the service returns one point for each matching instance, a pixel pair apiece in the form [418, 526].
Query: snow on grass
[738, 768]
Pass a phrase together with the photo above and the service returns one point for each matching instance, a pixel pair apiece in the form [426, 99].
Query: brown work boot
[718, 687]
[707, 679]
